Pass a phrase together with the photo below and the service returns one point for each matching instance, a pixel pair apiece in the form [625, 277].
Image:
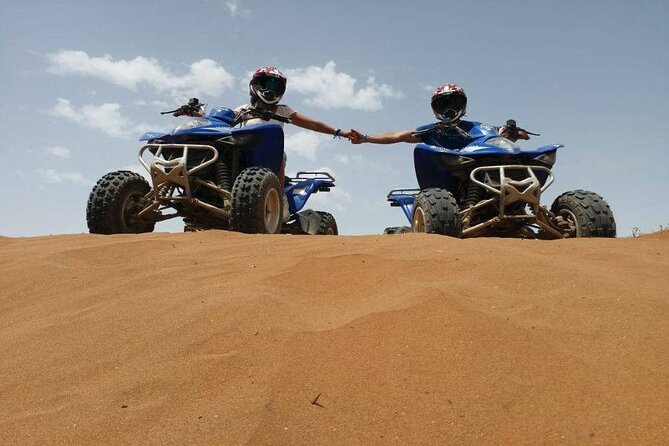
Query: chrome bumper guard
[172, 179]
[507, 190]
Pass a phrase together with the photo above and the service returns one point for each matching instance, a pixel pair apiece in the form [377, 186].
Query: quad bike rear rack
[324, 180]
[507, 191]
[308, 175]
[403, 198]
[395, 194]
[173, 175]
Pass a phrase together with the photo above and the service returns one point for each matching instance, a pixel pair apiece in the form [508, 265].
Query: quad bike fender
[404, 199]
[299, 188]
[309, 221]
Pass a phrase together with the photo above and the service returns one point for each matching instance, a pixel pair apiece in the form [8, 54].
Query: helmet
[449, 103]
[267, 84]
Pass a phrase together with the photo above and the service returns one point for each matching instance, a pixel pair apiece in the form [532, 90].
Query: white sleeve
[240, 109]
[285, 111]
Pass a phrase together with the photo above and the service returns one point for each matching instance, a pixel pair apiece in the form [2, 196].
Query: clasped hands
[354, 136]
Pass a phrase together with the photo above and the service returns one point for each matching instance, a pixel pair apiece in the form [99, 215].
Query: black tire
[327, 225]
[435, 211]
[587, 213]
[191, 226]
[397, 230]
[114, 203]
[256, 202]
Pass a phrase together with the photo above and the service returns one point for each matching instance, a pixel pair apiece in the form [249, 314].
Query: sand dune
[215, 338]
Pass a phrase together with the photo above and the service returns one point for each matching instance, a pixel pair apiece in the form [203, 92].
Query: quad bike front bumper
[511, 185]
[172, 168]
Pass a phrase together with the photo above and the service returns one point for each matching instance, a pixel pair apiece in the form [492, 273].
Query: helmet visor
[272, 87]
[449, 107]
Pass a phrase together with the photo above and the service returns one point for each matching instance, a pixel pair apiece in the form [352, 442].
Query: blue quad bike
[214, 176]
[488, 186]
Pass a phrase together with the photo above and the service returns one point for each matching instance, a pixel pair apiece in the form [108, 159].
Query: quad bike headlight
[547, 158]
[239, 140]
[454, 161]
[244, 139]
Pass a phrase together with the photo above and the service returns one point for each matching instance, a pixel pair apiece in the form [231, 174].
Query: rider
[266, 88]
[449, 103]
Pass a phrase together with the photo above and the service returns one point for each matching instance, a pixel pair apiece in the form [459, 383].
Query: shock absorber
[223, 178]
[473, 196]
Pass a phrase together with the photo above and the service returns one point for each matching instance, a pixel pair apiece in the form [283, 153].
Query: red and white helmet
[267, 84]
[449, 103]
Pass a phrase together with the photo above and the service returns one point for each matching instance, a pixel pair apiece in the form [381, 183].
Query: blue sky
[79, 82]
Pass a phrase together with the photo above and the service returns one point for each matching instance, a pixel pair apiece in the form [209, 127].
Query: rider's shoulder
[243, 107]
[285, 110]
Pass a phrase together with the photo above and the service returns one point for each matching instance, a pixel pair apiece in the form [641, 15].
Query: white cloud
[304, 143]
[58, 152]
[163, 104]
[232, 6]
[349, 159]
[106, 117]
[53, 176]
[327, 88]
[204, 77]
[336, 200]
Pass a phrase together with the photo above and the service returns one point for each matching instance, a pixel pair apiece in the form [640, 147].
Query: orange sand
[215, 338]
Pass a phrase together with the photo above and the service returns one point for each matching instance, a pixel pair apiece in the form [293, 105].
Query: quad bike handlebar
[513, 132]
[194, 108]
[265, 115]
[440, 128]
[510, 130]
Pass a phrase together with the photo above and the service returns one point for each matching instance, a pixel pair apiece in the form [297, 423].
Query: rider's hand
[356, 137]
[345, 134]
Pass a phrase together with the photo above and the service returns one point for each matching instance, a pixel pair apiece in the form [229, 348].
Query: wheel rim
[570, 218]
[418, 223]
[132, 205]
[272, 211]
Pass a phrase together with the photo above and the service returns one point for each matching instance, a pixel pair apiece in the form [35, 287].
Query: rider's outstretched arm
[317, 126]
[384, 138]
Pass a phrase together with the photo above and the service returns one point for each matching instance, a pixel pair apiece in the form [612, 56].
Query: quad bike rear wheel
[584, 214]
[256, 202]
[327, 225]
[115, 202]
[397, 230]
[435, 211]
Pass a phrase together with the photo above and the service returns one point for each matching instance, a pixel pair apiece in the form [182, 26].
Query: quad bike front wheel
[256, 202]
[435, 211]
[584, 214]
[327, 224]
[115, 202]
